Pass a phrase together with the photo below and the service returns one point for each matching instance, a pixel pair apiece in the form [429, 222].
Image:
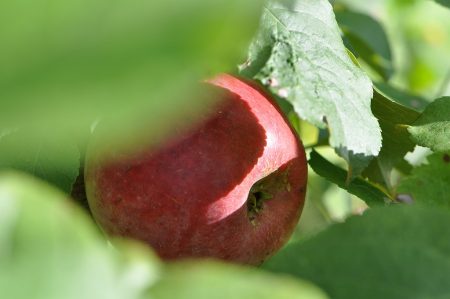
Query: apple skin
[231, 188]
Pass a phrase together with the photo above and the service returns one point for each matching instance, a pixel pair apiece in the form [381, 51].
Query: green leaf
[432, 128]
[299, 55]
[49, 249]
[368, 39]
[55, 160]
[393, 119]
[216, 280]
[390, 252]
[368, 192]
[429, 183]
[66, 64]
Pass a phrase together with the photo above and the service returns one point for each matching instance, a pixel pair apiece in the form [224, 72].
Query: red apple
[232, 188]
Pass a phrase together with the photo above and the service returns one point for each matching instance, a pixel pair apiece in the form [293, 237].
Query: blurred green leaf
[432, 128]
[298, 53]
[216, 280]
[66, 64]
[389, 253]
[368, 39]
[49, 249]
[55, 160]
[429, 183]
[396, 142]
[368, 192]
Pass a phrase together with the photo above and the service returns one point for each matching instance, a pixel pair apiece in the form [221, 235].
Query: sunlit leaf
[299, 54]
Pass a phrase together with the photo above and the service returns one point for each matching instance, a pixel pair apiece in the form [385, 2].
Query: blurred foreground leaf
[432, 128]
[50, 250]
[389, 253]
[55, 160]
[66, 64]
[205, 280]
[429, 183]
[299, 54]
